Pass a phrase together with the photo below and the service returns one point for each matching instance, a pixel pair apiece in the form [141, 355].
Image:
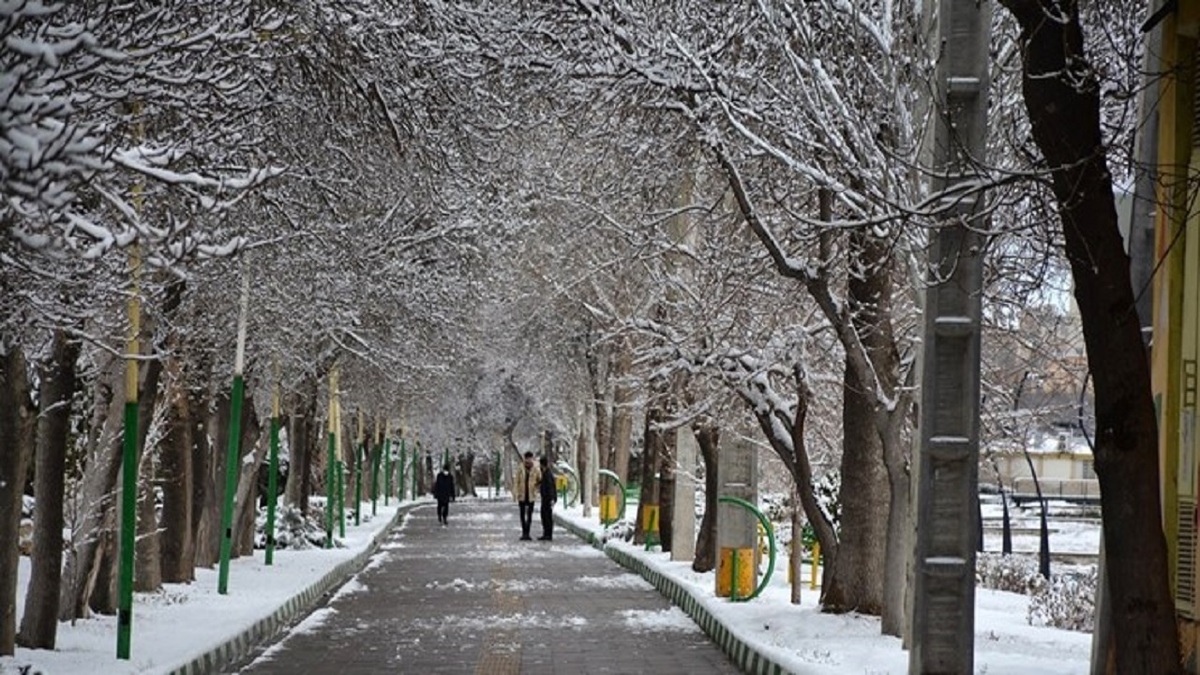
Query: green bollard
[341, 499]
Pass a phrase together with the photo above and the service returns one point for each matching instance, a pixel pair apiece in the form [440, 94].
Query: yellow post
[739, 562]
[608, 509]
[812, 582]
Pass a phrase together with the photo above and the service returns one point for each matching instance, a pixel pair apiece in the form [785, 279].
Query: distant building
[1061, 458]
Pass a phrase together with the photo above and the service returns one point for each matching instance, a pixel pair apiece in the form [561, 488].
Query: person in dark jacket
[549, 495]
[443, 492]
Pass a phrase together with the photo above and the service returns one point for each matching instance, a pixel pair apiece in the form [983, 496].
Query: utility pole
[943, 621]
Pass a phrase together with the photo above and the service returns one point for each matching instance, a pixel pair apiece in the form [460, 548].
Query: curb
[239, 646]
[744, 656]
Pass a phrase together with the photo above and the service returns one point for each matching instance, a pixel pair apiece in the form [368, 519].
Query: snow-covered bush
[1067, 601]
[1013, 573]
[620, 530]
[292, 529]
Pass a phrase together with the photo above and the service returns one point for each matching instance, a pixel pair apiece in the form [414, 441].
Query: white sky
[172, 627]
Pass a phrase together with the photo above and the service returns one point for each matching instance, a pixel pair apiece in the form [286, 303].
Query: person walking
[525, 490]
[444, 493]
[549, 494]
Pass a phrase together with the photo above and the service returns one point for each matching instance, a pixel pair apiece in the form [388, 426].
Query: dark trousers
[526, 518]
[547, 519]
[443, 510]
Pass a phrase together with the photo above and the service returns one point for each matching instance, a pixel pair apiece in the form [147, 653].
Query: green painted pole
[231, 476]
[329, 492]
[129, 462]
[272, 478]
[331, 459]
[360, 453]
[129, 448]
[387, 470]
[341, 497]
[232, 465]
[375, 452]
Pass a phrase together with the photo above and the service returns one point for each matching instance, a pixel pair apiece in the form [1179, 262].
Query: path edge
[238, 647]
[745, 656]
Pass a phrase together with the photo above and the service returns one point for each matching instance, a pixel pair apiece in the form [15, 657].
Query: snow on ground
[185, 620]
[804, 640]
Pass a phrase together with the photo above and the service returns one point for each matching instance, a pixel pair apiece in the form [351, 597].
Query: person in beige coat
[525, 491]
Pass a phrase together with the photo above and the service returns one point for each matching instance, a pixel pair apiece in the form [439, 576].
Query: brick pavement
[471, 598]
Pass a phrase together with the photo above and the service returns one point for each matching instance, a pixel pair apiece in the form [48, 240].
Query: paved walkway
[471, 598]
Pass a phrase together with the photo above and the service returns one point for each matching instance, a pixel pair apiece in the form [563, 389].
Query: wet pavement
[471, 598]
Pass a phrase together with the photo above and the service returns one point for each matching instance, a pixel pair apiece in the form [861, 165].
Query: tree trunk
[39, 625]
[858, 567]
[1062, 99]
[796, 556]
[598, 372]
[147, 564]
[245, 502]
[95, 493]
[147, 575]
[304, 444]
[622, 416]
[870, 291]
[666, 488]
[178, 552]
[102, 577]
[582, 466]
[208, 457]
[17, 419]
[466, 465]
[651, 450]
[707, 437]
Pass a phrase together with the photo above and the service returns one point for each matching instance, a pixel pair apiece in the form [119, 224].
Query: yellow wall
[1176, 294]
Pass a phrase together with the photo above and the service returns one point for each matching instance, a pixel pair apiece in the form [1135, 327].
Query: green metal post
[375, 479]
[341, 499]
[273, 480]
[387, 470]
[329, 491]
[129, 462]
[360, 452]
[232, 465]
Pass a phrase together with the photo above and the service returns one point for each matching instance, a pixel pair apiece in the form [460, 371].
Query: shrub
[1012, 573]
[1067, 600]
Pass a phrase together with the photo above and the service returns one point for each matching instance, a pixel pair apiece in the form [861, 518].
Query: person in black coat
[549, 495]
[443, 492]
